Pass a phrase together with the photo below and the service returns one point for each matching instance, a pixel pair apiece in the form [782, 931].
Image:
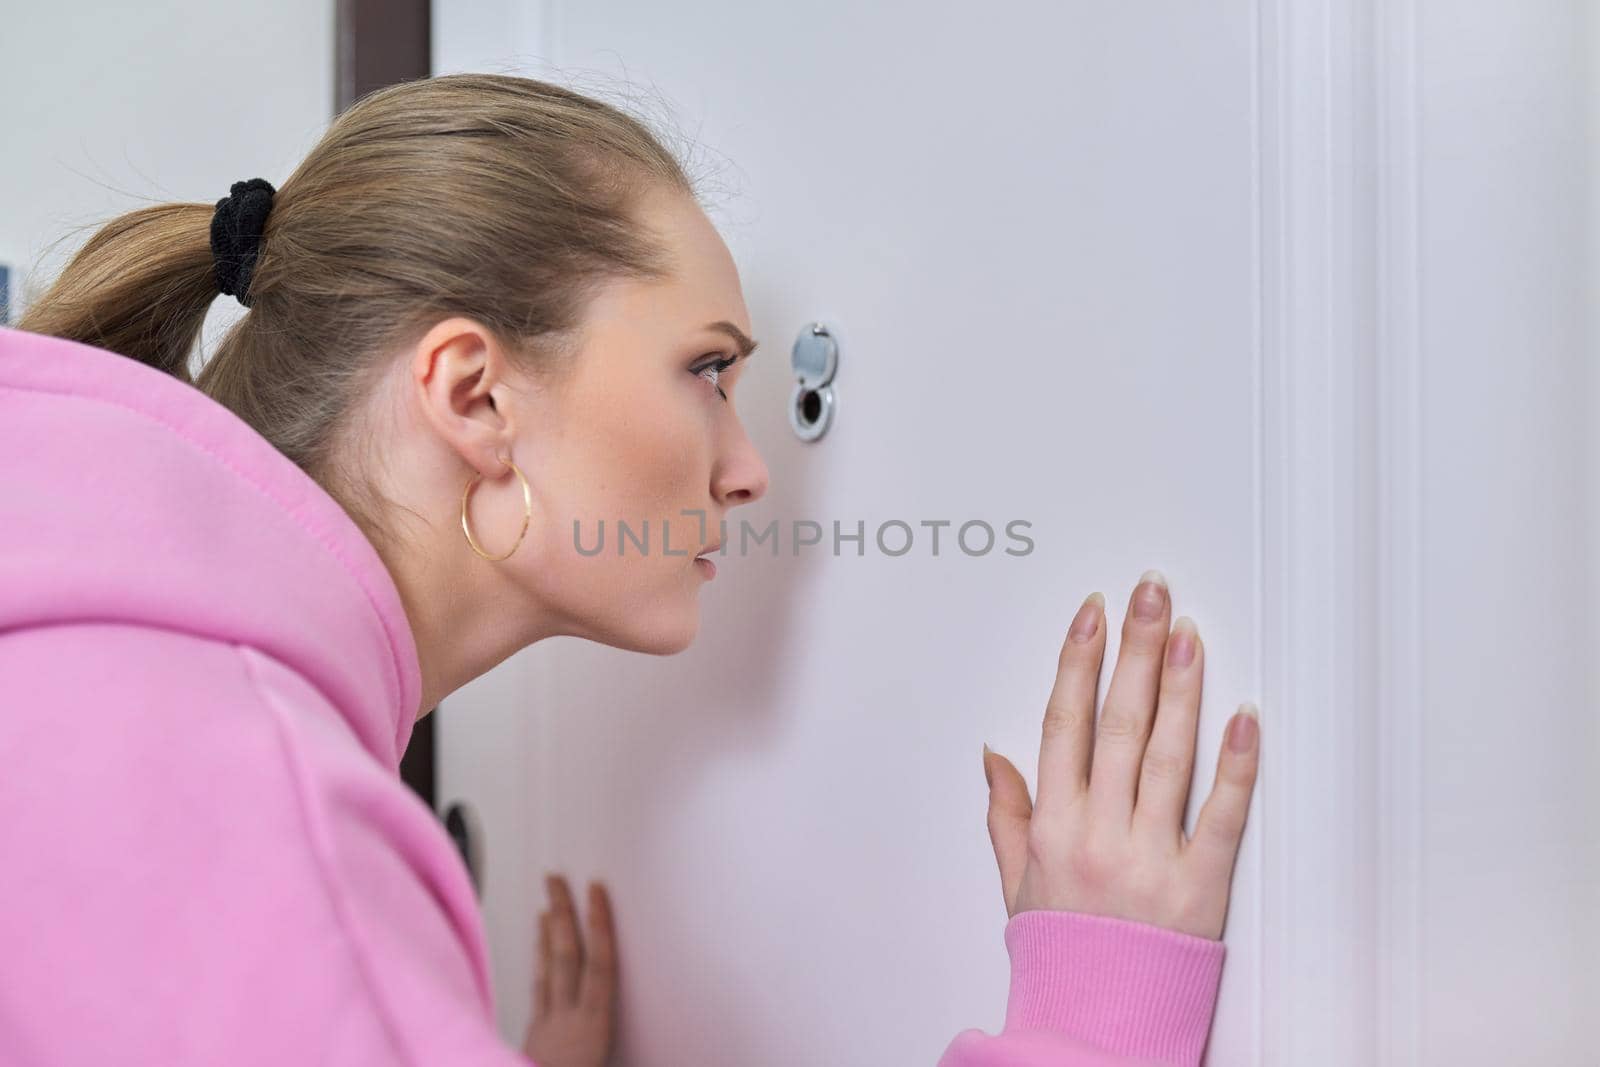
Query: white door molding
[1341, 606]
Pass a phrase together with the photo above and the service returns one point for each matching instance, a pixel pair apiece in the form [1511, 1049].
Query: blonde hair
[503, 199]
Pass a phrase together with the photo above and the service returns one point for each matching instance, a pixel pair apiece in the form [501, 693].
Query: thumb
[1010, 810]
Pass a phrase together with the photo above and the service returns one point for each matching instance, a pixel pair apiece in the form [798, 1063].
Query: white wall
[1510, 790]
[111, 106]
[1592, 393]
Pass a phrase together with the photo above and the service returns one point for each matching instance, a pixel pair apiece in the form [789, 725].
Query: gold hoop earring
[527, 513]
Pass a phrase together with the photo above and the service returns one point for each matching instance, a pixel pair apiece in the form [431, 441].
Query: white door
[1165, 282]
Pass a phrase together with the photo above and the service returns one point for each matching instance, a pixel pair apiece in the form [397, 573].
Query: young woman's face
[642, 431]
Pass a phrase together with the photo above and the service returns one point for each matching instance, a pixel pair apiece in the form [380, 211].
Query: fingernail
[1180, 650]
[1244, 729]
[1087, 621]
[988, 775]
[1150, 597]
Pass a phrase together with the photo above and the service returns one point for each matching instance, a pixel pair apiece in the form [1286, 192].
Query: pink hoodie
[209, 855]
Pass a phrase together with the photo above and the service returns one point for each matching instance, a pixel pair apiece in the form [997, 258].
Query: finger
[566, 951]
[1068, 732]
[1009, 813]
[1168, 765]
[599, 986]
[541, 980]
[1131, 701]
[1220, 824]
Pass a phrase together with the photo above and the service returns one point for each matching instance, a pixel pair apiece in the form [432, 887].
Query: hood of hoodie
[128, 495]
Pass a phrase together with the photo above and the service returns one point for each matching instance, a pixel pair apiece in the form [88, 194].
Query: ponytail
[140, 287]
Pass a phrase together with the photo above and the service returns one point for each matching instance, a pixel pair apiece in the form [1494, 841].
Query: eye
[718, 367]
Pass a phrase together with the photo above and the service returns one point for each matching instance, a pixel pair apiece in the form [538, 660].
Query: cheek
[675, 479]
[645, 458]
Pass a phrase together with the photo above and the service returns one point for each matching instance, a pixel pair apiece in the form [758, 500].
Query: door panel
[1220, 289]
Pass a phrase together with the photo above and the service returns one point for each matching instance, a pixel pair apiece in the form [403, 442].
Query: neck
[466, 616]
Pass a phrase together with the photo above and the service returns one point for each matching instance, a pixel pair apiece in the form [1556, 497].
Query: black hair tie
[236, 235]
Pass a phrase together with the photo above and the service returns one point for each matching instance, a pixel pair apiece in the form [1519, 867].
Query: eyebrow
[746, 345]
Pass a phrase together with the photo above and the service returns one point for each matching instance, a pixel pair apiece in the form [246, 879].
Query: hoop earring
[527, 513]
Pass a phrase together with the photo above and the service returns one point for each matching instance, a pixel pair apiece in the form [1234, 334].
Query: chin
[664, 634]
[670, 647]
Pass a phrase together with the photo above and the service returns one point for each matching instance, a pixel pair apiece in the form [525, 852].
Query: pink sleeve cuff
[1131, 988]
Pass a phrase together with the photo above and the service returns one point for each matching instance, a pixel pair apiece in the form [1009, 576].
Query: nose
[742, 477]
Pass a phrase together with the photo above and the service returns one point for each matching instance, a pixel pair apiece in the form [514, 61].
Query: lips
[709, 549]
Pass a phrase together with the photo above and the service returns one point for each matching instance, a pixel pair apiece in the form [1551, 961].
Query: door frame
[379, 43]
[1341, 614]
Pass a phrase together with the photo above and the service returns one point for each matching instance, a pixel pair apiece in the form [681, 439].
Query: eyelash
[719, 366]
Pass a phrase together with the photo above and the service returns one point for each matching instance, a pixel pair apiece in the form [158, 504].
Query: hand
[1107, 834]
[575, 994]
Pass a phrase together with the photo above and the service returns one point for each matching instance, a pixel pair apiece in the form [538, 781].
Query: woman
[484, 311]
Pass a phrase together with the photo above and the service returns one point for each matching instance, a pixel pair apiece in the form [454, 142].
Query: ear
[461, 373]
